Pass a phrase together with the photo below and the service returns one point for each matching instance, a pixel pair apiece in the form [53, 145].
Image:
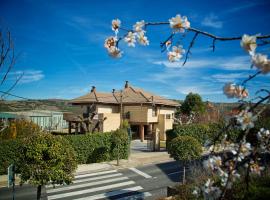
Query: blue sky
[62, 54]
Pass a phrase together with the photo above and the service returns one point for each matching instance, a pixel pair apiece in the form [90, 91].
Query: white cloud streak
[28, 76]
[212, 20]
[234, 63]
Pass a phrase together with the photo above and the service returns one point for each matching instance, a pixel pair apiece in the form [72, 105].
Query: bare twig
[189, 48]
[13, 86]
[251, 77]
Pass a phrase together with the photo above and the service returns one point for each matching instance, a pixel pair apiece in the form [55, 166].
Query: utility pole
[121, 109]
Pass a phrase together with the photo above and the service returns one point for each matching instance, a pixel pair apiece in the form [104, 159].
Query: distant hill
[64, 106]
[44, 104]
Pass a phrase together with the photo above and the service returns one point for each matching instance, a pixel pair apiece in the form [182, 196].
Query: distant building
[46, 120]
[146, 113]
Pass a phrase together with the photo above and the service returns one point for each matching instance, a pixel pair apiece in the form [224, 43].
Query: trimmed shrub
[99, 147]
[198, 131]
[185, 148]
[202, 132]
[89, 148]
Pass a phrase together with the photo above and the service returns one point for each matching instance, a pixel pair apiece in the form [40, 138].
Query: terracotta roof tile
[129, 95]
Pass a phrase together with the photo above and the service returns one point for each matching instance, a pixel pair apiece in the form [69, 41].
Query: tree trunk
[184, 175]
[118, 155]
[39, 192]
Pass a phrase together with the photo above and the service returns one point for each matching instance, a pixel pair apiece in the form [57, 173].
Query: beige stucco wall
[150, 117]
[111, 123]
[107, 109]
[163, 110]
[164, 125]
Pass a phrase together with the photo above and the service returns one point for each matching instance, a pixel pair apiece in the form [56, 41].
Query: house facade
[146, 113]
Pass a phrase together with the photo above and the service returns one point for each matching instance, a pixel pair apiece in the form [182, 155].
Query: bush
[20, 128]
[185, 148]
[202, 132]
[89, 148]
[99, 147]
[198, 131]
[9, 150]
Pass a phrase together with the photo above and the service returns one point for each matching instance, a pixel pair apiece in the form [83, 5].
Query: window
[168, 116]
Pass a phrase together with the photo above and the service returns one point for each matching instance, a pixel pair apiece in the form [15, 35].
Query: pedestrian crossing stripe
[71, 187]
[88, 179]
[112, 193]
[98, 185]
[85, 191]
[95, 174]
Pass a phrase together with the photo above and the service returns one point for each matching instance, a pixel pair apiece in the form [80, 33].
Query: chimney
[126, 85]
[113, 90]
[93, 89]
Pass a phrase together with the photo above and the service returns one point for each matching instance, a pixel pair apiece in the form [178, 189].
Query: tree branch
[189, 48]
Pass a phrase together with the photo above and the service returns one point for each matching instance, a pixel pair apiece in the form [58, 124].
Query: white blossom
[142, 39]
[115, 52]
[179, 24]
[110, 42]
[248, 43]
[176, 54]
[116, 24]
[212, 163]
[255, 168]
[232, 90]
[130, 39]
[196, 192]
[138, 27]
[263, 137]
[261, 62]
[245, 150]
[246, 119]
[210, 191]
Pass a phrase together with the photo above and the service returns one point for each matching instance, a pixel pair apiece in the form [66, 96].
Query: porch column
[142, 132]
[76, 127]
[69, 127]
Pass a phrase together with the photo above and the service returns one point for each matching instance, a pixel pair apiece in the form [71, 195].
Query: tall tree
[45, 159]
[193, 103]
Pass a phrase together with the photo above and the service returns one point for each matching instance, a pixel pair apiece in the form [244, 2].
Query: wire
[13, 95]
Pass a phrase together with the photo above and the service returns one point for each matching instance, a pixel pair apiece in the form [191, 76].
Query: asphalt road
[145, 182]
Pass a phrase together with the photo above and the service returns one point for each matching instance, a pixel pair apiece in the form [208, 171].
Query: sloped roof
[130, 95]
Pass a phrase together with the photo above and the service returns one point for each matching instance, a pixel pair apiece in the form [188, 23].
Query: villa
[146, 113]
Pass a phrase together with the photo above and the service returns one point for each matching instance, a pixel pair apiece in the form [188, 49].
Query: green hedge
[202, 132]
[98, 147]
[89, 148]
[198, 131]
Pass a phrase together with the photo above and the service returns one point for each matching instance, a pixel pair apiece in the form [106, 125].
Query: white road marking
[94, 174]
[173, 173]
[136, 196]
[113, 193]
[140, 172]
[96, 189]
[89, 179]
[71, 187]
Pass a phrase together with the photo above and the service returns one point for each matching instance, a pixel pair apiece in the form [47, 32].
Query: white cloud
[212, 21]
[225, 63]
[28, 76]
[202, 90]
[242, 7]
[232, 77]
